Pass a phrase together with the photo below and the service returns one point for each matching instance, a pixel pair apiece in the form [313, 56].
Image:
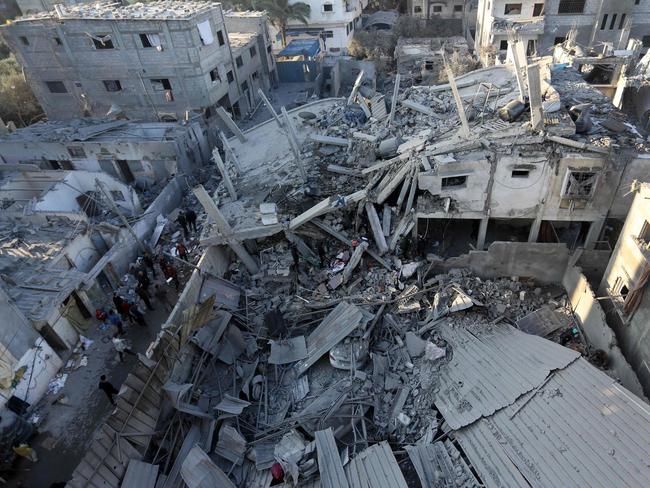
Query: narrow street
[67, 426]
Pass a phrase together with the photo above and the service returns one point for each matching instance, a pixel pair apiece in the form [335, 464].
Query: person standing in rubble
[182, 251]
[137, 315]
[117, 301]
[190, 216]
[182, 221]
[171, 274]
[320, 248]
[148, 262]
[143, 280]
[108, 388]
[115, 320]
[144, 295]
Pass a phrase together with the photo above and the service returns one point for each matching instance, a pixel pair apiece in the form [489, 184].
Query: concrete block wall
[591, 315]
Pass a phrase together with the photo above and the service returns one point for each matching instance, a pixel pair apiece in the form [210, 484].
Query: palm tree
[280, 12]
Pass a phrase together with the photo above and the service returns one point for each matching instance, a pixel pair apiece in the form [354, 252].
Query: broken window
[559, 40]
[61, 164]
[56, 87]
[437, 9]
[24, 40]
[417, 9]
[76, 151]
[214, 75]
[458, 8]
[230, 77]
[239, 61]
[538, 9]
[220, 38]
[645, 40]
[454, 181]
[252, 51]
[512, 9]
[244, 85]
[102, 41]
[161, 84]
[571, 6]
[520, 173]
[112, 85]
[503, 45]
[150, 40]
[622, 22]
[580, 184]
[328, 7]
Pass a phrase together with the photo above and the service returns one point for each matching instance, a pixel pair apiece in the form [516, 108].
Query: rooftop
[94, 130]
[240, 39]
[160, 10]
[247, 13]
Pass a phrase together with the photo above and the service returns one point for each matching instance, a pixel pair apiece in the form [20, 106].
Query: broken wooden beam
[326, 206]
[354, 261]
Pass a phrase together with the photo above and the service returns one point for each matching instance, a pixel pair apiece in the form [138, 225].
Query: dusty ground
[66, 430]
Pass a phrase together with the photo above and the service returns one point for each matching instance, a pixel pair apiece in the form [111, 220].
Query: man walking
[148, 262]
[107, 388]
[181, 250]
[172, 275]
[137, 315]
[144, 295]
[143, 280]
[182, 221]
[190, 217]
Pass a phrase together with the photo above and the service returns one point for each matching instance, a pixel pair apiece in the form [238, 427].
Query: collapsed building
[142, 153]
[327, 339]
[148, 61]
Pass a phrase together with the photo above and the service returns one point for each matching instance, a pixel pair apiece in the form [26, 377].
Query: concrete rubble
[334, 357]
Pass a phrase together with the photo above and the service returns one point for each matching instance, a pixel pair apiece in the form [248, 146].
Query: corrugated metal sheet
[329, 461]
[436, 468]
[199, 471]
[140, 475]
[333, 329]
[227, 293]
[543, 321]
[490, 368]
[580, 429]
[376, 467]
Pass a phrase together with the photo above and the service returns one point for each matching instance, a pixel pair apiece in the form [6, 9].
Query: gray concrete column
[594, 233]
[482, 232]
[534, 230]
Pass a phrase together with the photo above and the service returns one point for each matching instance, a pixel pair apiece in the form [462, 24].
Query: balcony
[532, 26]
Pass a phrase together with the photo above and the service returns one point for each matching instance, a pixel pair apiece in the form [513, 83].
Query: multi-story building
[441, 9]
[150, 61]
[543, 24]
[333, 21]
[624, 284]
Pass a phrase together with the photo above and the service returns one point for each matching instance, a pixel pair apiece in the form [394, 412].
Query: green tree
[17, 102]
[280, 12]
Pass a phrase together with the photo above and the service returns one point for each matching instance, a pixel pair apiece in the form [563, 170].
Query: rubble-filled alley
[325, 339]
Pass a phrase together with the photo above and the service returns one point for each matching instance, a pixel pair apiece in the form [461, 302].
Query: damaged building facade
[437, 9]
[541, 25]
[150, 61]
[142, 153]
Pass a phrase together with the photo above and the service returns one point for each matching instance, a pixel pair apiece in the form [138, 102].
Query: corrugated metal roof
[375, 467]
[490, 368]
[140, 475]
[580, 429]
[439, 465]
[329, 461]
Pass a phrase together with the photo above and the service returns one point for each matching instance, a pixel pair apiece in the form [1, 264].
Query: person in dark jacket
[190, 216]
[148, 262]
[137, 316]
[142, 292]
[182, 221]
[143, 280]
[108, 388]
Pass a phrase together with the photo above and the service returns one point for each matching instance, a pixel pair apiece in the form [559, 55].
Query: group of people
[146, 289]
